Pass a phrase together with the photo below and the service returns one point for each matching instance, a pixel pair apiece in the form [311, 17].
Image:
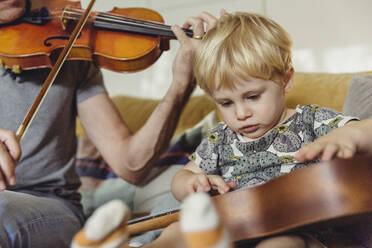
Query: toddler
[244, 64]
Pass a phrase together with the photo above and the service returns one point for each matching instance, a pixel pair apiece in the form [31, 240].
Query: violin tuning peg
[16, 69]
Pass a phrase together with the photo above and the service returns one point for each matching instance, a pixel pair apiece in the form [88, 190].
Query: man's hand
[183, 63]
[11, 10]
[10, 152]
[343, 142]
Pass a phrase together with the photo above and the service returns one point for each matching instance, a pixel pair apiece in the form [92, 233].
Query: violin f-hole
[47, 42]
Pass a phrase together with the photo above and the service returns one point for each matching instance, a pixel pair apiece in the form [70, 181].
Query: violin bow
[53, 74]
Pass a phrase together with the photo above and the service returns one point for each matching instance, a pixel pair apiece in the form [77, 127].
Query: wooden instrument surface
[320, 195]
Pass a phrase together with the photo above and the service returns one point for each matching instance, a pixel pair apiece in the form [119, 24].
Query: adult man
[39, 205]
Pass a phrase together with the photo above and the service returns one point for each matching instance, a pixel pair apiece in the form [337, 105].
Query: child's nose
[242, 112]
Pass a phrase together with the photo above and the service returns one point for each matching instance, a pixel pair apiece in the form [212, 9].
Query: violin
[334, 193]
[121, 40]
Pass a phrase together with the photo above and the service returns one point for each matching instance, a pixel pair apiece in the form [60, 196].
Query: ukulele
[320, 195]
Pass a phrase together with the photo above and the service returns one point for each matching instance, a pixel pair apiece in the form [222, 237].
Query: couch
[101, 185]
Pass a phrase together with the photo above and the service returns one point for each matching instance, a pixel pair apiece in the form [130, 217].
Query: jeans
[36, 220]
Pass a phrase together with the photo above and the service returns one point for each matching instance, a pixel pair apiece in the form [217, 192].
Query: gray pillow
[358, 100]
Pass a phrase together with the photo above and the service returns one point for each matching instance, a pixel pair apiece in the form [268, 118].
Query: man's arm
[10, 149]
[132, 155]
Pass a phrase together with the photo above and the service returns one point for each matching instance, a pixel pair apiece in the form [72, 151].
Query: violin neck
[129, 25]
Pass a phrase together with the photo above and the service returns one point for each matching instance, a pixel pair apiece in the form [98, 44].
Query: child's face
[253, 107]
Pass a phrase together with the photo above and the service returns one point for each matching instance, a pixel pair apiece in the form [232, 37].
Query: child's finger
[222, 186]
[204, 182]
[232, 184]
[191, 188]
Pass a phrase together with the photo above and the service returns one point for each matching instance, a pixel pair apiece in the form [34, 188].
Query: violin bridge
[67, 18]
[63, 19]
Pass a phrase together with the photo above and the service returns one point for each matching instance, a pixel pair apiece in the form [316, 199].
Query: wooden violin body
[324, 194]
[108, 40]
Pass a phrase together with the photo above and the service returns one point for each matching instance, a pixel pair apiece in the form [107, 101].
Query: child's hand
[339, 143]
[201, 182]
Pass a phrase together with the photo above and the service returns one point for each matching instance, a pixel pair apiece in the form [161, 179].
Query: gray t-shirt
[49, 145]
[250, 163]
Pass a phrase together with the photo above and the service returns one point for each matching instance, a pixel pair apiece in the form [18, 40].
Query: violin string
[119, 17]
[76, 12]
[131, 23]
[72, 13]
[121, 20]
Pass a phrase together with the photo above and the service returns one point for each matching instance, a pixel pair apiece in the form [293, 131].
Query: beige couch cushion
[325, 89]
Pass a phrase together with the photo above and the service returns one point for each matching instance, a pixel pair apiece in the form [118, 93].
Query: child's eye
[253, 97]
[225, 104]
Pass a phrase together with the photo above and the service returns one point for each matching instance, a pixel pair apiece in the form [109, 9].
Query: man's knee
[27, 221]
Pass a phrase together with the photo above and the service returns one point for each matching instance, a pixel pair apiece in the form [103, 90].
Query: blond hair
[242, 45]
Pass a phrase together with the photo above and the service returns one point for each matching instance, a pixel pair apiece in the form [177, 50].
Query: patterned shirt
[249, 163]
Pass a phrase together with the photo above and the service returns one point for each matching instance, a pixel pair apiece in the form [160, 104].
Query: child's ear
[288, 80]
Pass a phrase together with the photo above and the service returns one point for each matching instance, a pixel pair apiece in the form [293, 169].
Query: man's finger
[347, 152]
[2, 183]
[10, 141]
[210, 19]
[179, 33]
[223, 12]
[7, 165]
[308, 152]
[329, 151]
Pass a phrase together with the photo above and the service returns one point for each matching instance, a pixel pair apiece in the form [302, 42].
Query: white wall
[328, 35]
